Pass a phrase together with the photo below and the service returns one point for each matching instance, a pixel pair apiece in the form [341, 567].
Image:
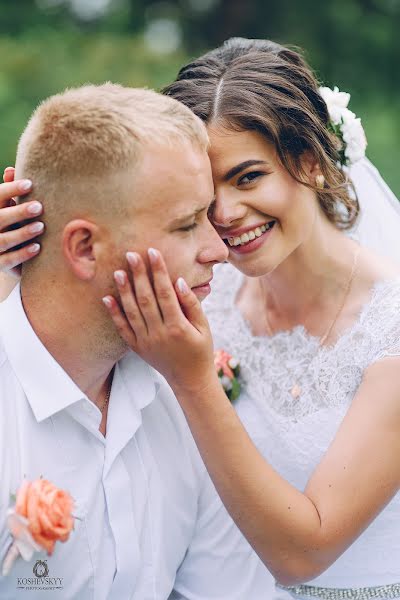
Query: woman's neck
[307, 288]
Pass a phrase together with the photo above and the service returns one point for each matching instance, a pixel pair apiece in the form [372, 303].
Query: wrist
[198, 386]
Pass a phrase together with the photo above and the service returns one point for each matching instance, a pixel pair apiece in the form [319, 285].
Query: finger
[9, 174]
[164, 289]
[144, 293]
[8, 190]
[10, 260]
[129, 305]
[15, 237]
[19, 213]
[190, 305]
[120, 321]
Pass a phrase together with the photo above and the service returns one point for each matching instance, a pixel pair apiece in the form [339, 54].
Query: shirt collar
[48, 388]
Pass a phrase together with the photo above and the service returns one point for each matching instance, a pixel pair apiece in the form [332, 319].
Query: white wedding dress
[293, 434]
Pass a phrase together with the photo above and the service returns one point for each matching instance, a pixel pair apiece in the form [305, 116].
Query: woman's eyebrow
[241, 166]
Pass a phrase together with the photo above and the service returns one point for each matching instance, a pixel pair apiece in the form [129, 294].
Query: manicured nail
[182, 286]
[107, 302]
[33, 248]
[36, 227]
[132, 258]
[153, 255]
[25, 185]
[35, 208]
[120, 277]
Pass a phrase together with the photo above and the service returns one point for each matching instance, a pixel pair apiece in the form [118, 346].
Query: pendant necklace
[296, 390]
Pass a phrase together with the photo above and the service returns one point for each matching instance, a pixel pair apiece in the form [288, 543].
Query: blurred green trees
[47, 45]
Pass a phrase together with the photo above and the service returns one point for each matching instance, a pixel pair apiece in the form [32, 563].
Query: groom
[116, 169]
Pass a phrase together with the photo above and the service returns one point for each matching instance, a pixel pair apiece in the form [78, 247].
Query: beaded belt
[392, 590]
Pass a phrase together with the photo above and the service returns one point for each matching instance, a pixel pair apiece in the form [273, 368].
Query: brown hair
[262, 86]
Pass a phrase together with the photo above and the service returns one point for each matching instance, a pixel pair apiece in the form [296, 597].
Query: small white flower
[355, 140]
[335, 101]
[226, 383]
[233, 363]
[351, 131]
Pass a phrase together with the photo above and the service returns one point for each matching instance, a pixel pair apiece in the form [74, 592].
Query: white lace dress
[293, 434]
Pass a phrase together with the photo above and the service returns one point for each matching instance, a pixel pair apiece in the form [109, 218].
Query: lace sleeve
[379, 328]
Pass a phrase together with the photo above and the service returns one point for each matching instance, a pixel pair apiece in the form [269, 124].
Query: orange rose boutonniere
[42, 515]
[228, 370]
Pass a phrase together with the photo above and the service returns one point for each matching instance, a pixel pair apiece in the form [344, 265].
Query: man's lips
[202, 284]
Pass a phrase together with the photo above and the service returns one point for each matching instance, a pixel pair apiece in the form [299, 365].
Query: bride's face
[260, 211]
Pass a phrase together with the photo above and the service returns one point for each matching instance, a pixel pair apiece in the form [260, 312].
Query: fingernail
[132, 258]
[25, 185]
[120, 277]
[182, 286]
[33, 248]
[36, 227]
[35, 208]
[153, 255]
[8, 169]
[107, 302]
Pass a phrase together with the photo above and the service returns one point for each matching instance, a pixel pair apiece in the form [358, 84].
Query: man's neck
[71, 332]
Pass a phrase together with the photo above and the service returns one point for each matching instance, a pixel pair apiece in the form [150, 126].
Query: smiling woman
[313, 319]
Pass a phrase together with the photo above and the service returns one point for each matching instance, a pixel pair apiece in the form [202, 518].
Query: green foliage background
[45, 46]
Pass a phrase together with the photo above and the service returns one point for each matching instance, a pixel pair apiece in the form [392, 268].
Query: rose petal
[22, 497]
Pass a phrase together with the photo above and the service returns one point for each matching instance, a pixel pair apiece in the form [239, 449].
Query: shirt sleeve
[219, 563]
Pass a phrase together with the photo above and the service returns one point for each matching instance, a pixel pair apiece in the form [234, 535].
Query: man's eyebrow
[184, 218]
[241, 167]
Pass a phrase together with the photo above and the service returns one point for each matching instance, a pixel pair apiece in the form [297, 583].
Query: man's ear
[79, 245]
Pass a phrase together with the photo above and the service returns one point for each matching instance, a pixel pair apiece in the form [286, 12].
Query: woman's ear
[79, 245]
[310, 166]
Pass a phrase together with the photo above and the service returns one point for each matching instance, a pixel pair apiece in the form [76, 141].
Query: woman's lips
[253, 245]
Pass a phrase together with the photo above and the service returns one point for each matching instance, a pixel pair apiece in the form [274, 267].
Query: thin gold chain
[341, 305]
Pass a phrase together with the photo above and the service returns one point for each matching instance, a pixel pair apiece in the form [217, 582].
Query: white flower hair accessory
[345, 125]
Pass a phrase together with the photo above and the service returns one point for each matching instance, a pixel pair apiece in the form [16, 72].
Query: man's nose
[214, 249]
[226, 210]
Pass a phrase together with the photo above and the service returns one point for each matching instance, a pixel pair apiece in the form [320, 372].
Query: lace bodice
[293, 434]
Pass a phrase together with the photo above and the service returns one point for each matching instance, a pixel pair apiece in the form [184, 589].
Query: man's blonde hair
[79, 142]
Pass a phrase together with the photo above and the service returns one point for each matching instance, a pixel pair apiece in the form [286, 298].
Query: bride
[311, 313]
[310, 306]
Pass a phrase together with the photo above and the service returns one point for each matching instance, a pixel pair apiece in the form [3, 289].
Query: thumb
[190, 305]
[8, 175]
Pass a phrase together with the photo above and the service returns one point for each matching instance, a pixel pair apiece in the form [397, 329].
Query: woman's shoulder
[377, 331]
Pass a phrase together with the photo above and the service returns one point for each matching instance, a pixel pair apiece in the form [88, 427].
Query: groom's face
[171, 197]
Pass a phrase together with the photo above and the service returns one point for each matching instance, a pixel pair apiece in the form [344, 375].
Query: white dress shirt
[149, 524]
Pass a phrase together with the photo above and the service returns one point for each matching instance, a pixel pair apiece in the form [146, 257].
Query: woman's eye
[249, 177]
[188, 227]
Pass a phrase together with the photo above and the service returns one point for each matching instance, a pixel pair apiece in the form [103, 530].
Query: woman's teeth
[249, 236]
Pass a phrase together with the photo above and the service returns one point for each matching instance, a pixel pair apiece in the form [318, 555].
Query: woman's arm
[298, 535]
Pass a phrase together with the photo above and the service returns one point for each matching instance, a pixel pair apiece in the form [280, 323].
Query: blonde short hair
[77, 142]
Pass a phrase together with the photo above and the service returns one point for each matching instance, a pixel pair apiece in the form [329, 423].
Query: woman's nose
[226, 211]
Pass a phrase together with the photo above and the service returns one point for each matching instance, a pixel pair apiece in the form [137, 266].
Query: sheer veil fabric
[378, 227]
